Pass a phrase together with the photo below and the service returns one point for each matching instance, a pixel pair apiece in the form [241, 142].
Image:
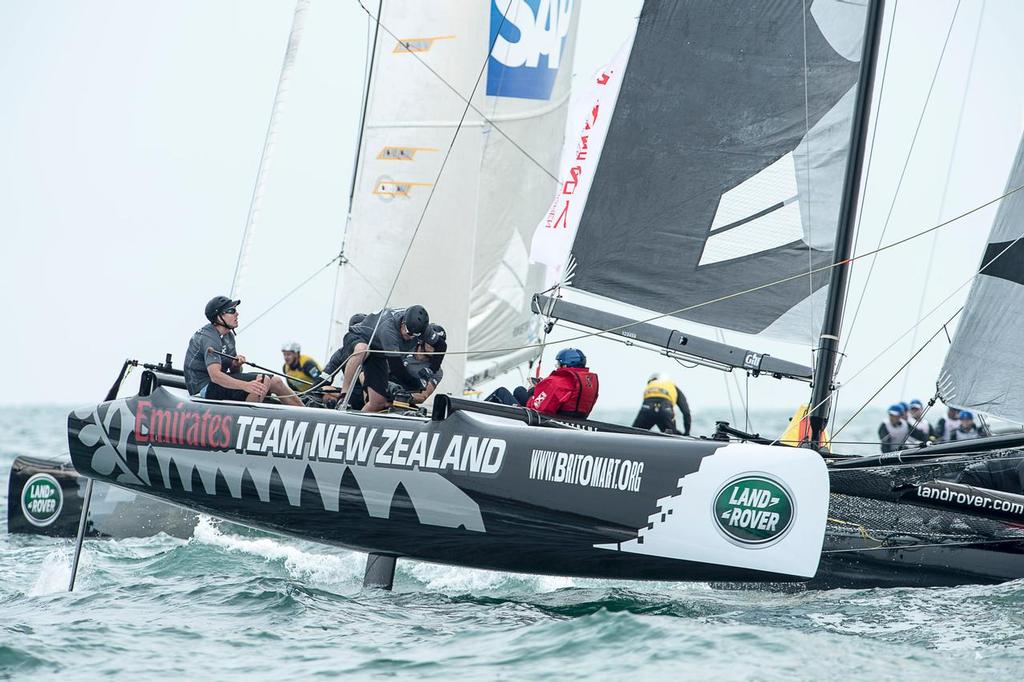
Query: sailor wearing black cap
[391, 332]
[212, 364]
[420, 372]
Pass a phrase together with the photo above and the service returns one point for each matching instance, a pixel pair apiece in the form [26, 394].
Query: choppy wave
[230, 603]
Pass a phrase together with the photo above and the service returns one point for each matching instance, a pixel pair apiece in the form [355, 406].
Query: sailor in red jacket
[570, 391]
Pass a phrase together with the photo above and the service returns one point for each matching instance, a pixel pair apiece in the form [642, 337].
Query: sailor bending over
[299, 366]
[212, 365]
[570, 390]
[661, 396]
[387, 333]
[895, 432]
[419, 373]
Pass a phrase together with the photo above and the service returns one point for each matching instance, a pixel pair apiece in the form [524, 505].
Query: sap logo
[528, 38]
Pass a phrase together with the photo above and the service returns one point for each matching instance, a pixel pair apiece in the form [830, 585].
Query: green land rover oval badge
[754, 510]
[42, 500]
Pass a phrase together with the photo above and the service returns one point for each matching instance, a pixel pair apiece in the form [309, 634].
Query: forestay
[468, 261]
[724, 164]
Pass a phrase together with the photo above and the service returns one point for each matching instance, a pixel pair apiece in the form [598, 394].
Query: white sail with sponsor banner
[457, 241]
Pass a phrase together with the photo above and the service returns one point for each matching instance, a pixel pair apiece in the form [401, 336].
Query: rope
[906, 164]
[767, 285]
[290, 293]
[949, 175]
[430, 196]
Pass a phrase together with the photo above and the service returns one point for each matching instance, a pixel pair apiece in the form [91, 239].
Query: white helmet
[657, 376]
[292, 347]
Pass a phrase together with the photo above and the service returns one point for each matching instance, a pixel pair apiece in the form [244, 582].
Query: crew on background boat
[915, 417]
[419, 373]
[212, 365]
[571, 390]
[945, 427]
[895, 432]
[967, 429]
[394, 332]
[299, 366]
[661, 396]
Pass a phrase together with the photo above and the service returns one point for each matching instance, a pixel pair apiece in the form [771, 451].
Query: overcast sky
[133, 132]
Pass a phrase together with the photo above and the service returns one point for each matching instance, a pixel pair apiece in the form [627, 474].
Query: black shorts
[218, 392]
[656, 412]
[375, 365]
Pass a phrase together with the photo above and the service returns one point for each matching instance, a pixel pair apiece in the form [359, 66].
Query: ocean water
[235, 604]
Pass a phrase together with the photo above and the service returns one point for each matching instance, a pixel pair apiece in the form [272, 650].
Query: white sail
[467, 261]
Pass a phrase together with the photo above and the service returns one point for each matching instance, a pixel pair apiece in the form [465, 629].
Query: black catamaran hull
[470, 489]
[44, 497]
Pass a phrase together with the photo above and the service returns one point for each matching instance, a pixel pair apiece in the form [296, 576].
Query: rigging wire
[467, 100]
[895, 374]
[290, 293]
[430, 196]
[766, 285]
[906, 164]
[942, 329]
[867, 177]
[949, 176]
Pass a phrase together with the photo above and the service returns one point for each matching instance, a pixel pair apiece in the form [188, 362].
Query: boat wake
[335, 568]
[54, 572]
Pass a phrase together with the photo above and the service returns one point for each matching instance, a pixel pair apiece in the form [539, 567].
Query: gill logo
[529, 37]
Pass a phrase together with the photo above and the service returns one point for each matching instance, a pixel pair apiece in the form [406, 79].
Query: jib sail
[468, 260]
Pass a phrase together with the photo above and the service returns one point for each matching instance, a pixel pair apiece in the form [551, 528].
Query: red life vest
[568, 391]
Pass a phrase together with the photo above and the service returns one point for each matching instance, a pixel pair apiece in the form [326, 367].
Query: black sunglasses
[229, 311]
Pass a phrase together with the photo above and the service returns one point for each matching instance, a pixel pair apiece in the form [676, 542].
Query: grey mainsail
[982, 371]
[724, 164]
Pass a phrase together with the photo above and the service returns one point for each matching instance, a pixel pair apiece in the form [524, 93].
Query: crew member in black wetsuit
[419, 373]
[215, 375]
[394, 333]
[661, 396]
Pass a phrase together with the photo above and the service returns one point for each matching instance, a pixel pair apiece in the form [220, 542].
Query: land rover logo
[754, 510]
[42, 500]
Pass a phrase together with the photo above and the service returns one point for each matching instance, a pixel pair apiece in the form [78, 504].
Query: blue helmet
[571, 357]
[964, 414]
[906, 408]
[916, 403]
[896, 410]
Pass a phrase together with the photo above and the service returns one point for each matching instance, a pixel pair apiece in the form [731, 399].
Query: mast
[828, 347]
